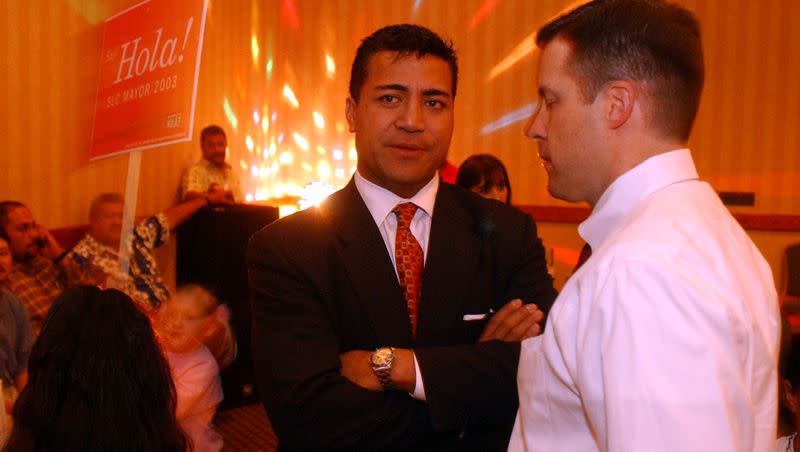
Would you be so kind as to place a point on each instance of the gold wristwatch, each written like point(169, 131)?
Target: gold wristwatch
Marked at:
point(381, 361)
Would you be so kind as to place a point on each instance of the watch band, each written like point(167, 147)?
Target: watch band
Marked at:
point(383, 370)
point(385, 377)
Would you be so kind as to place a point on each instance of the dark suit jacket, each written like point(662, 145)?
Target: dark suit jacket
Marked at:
point(323, 283)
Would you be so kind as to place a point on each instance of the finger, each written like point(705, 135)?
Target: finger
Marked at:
point(523, 328)
point(535, 311)
point(512, 321)
point(516, 325)
point(539, 315)
point(45, 233)
point(533, 331)
point(50, 240)
point(498, 318)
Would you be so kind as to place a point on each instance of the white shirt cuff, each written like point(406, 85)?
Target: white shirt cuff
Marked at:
point(419, 387)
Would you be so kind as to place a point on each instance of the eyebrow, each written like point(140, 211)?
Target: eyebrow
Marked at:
point(392, 87)
point(403, 88)
point(435, 92)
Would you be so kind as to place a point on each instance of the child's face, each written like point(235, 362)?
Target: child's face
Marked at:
point(182, 324)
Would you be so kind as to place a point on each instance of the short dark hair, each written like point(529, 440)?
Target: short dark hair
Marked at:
point(5, 209)
point(405, 39)
point(211, 130)
point(482, 169)
point(103, 198)
point(97, 380)
point(642, 40)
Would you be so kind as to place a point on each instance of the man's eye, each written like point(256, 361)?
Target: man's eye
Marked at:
point(389, 99)
point(435, 103)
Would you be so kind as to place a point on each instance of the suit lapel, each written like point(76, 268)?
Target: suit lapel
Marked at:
point(454, 250)
point(368, 266)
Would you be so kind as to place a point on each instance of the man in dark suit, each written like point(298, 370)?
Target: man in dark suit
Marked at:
point(382, 319)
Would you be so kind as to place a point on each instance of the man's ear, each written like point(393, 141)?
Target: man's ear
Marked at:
point(621, 96)
point(350, 113)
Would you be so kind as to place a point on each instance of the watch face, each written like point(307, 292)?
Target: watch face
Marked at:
point(381, 356)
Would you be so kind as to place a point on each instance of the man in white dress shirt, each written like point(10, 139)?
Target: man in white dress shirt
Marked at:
point(666, 339)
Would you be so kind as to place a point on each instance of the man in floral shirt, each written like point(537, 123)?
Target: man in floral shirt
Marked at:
point(97, 254)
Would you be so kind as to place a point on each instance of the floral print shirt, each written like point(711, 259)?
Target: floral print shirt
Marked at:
point(143, 283)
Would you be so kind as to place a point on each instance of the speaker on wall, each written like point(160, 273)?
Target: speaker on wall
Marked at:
point(211, 252)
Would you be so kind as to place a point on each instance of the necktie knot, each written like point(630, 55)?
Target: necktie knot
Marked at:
point(405, 213)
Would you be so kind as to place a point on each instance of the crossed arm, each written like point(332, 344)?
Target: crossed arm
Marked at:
point(296, 350)
point(318, 391)
point(514, 322)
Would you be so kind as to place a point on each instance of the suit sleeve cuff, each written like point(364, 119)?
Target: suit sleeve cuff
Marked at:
point(419, 387)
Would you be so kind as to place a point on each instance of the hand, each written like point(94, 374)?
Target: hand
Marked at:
point(228, 194)
point(216, 324)
point(513, 322)
point(229, 197)
point(219, 337)
point(48, 248)
point(216, 195)
point(356, 368)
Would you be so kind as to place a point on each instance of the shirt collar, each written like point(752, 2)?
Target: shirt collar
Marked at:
point(98, 247)
point(381, 201)
point(633, 186)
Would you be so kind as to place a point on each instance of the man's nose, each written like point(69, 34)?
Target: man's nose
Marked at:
point(534, 127)
point(411, 119)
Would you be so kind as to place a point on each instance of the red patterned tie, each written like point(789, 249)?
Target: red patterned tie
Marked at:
point(409, 259)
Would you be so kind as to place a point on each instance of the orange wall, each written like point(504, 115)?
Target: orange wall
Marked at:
point(746, 136)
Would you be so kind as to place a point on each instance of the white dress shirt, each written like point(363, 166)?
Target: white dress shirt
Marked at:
point(380, 203)
point(666, 339)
